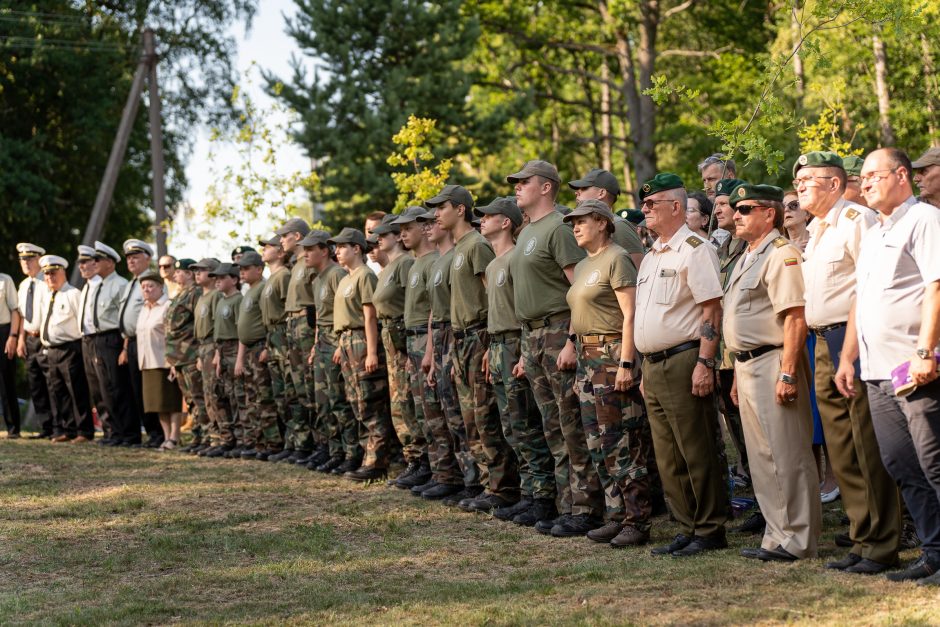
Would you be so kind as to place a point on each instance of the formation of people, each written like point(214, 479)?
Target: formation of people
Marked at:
point(561, 369)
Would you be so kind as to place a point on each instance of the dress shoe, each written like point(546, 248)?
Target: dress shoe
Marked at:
point(281, 456)
point(126, 444)
point(850, 559)
point(331, 463)
point(39, 436)
point(486, 503)
point(418, 490)
point(508, 512)
point(79, 439)
point(843, 540)
point(679, 542)
point(421, 474)
point(366, 473)
point(926, 565)
point(541, 509)
point(755, 523)
point(249, 453)
point(61, 438)
point(114, 443)
point(350, 464)
point(575, 525)
point(630, 536)
point(606, 533)
point(441, 490)
point(778, 554)
point(545, 526)
point(701, 544)
point(154, 442)
point(866, 566)
point(218, 451)
point(468, 492)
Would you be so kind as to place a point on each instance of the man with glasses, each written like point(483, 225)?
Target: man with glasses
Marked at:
point(927, 176)
point(897, 316)
point(88, 268)
point(853, 185)
point(713, 169)
point(869, 495)
point(167, 267)
point(28, 346)
point(678, 312)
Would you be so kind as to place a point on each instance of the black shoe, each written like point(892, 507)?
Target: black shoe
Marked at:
point(154, 442)
point(319, 456)
point(262, 456)
point(541, 509)
point(418, 490)
point(281, 456)
point(468, 492)
point(105, 442)
point(366, 473)
point(441, 491)
point(925, 566)
point(850, 559)
point(866, 566)
point(199, 449)
point(843, 540)
point(205, 451)
point(421, 474)
point(186, 449)
point(350, 464)
point(249, 453)
point(755, 523)
point(39, 436)
point(114, 443)
point(778, 554)
point(700, 544)
point(218, 451)
point(545, 526)
point(678, 543)
point(130, 444)
point(575, 525)
point(331, 463)
point(507, 513)
point(299, 457)
point(409, 470)
point(234, 453)
point(485, 504)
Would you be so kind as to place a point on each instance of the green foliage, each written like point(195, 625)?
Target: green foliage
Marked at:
point(416, 140)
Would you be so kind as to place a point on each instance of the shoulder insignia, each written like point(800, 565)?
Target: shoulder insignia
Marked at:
point(781, 241)
point(851, 214)
point(790, 262)
point(693, 241)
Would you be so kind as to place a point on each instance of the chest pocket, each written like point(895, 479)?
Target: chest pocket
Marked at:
point(666, 286)
point(833, 259)
point(893, 255)
point(748, 286)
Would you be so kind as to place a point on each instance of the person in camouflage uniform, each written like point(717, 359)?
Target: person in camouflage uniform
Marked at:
point(363, 364)
point(275, 353)
point(205, 351)
point(225, 334)
point(182, 350)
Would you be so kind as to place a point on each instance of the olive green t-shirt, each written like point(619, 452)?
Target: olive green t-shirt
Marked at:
point(299, 291)
point(226, 317)
point(205, 314)
point(417, 300)
point(389, 297)
point(272, 298)
point(468, 302)
point(439, 287)
point(626, 237)
point(250, 324)
point(502, 313)
point(594, 306)
point(543, 250)
point(324, 292)
point(354, 290)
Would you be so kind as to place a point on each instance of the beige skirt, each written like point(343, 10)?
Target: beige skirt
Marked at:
point(160, 394)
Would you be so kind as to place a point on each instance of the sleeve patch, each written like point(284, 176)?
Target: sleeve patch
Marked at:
point(790, 262)
point(781, 241)
point(693, 241)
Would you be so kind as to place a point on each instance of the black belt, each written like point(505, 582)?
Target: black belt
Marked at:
point(108, 332)
point(413, 331)
point(473, 328)
point(757, 352)
point(532, 325)
point(659, 356)
point(501, 338)
point(76, 344)
point(440, 325)
point(821, 331)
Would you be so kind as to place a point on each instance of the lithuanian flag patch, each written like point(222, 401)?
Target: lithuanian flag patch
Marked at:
point(790, 262)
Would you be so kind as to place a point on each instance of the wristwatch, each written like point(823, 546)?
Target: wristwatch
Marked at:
point(789, 379)
point(924, 353)
point(626, 364)
point(706, 360)
point(573, 337)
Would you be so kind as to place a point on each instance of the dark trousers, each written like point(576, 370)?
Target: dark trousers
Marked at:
point(908, 432)
point(36, 367)
point(150, 421)
point(11, 405)
point(115, 385)
point(89, 354)
point(68, 391)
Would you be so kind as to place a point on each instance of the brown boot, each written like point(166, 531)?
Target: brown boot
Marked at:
point(630, 536)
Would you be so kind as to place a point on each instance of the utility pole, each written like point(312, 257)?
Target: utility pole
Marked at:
point(156, 146)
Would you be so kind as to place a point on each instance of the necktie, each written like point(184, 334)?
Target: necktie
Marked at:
point(81, 323)
point(29, 300)
point(95, 312)
point(130, 294)
point(45, 325)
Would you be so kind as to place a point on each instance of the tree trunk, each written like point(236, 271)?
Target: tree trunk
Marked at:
point(605, 116)
point(796, 29)
point(881, 89)
point(930, 91)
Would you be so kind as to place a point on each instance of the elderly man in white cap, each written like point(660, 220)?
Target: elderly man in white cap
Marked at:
point(60, 334)
point(88, 268)
point(28, 346)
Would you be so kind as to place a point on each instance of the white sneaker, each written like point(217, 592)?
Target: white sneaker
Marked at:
point(829, 497)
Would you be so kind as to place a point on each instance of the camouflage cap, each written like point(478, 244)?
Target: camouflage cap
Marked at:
point(225, 269)
point(456, 194)
point(818, 159)
point(588, 207)
point(185, 264)
point(725, 187)
point(853, 165)
point(294, 225)
point(409, 215)
point(350, 235)
point(756, 192)
point(597, 178)
point(502, 206)
point(929, 158)
point(536, 167)
point(660, 183)
point(206, 263)
point(251, 258)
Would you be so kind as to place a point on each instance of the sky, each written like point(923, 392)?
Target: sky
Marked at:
point(269, 47)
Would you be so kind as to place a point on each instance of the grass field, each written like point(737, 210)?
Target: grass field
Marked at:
point(91, 536)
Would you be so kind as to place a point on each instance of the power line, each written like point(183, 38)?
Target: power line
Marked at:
point(31, 42)
point(51, 17)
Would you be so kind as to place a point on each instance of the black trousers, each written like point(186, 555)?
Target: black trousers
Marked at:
point(36, 368)
point(150, 421)
point(68, 391)
point(115, 385)
point(89, 354)
point(11, 405)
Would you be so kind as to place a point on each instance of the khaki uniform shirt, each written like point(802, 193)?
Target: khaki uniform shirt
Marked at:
point(829, 262)
point(63, 325)
point(324, 292)
point(593, 301)
point(272, 298)
point(501, 315)
point(250, 324)
point(544, 249)
point(108, 299)
point(39, 286)
point(151, 335)
point(389, 296)
point(674, 279)
point(205, 315)
point(299, 292)
point(225, 317)
point(763, 286)
point(8, 298)
point(729, 252)
point(417, 300)
point(353, 292)
point(468, 303)
point(86, 311)
point(439, 287)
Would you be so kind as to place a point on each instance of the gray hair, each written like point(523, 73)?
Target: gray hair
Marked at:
point(730, 167)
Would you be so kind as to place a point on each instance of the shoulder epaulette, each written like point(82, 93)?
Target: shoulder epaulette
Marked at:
point(693, 241)
point(851, 214)
point(781, 241)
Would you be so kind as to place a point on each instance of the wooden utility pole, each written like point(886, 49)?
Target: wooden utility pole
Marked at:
point(156, 146)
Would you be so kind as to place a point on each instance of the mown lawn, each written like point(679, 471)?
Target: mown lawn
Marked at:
point(91, 536)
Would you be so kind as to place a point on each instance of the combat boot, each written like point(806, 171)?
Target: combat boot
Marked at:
point(281, 456)
point(249, 453)
point(366, 473)
point(630, 536)
point(350, 464)
point(427, 485)
point(409, 470)
point(440, 491)
point(320, 456)
point(606, 533)
point(485, 503)
point(542, 509)
point(422, 474)
point(468, 492)
point(234, 453)
point(507, 513)
point(297, 456)
point(331, 463)
point(575, 525)
point(218, 451)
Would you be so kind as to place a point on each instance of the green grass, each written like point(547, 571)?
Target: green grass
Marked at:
point(91, 536)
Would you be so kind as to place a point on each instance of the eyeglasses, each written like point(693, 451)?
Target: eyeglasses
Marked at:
point(745, 210)
point(805, 180)
point(648, 204)
point(166, 266)
point(793, 205)
point(874, 177)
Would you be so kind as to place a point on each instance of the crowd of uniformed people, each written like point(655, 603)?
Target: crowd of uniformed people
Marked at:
point(564, 369)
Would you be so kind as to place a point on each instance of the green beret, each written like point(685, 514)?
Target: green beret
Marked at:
point(185, 264)
point(818, 159)
point(756, 192)
point(724, 187)
point(632, 215)
point(660, 183)
point(853, 165)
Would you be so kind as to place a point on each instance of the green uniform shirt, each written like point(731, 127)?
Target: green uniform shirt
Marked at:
point(389, 297)
point(626, 237)
point(299, 291)
point(594, 306)
point(354, 291)
point(439, 287)
point(205, 315)
point(324, 292)
point(273, 296)
point(250, 323)
point(502, 314)
point(544, 249)
point(417, 299)
point(181, 327)
point(468, 302)
point(226, 317)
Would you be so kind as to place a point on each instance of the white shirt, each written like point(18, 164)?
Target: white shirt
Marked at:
point(63, 316)
point(8, 298)
point(898, 260)
point(131, 302)
point(39, 287)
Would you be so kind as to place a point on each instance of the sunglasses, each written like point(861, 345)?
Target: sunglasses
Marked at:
point(793, 205)
point(166, 266)
point(745, 210)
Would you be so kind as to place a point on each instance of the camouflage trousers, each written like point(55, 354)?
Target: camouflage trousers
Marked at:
point(618, 434)
point(404, 411)
point(368, 393)
point(298, 432)
point(231, 428)
point(478, 407)
point(278, 363)
point(333, 407)
point(259, 412)
point(579, 489)
point(522, 422)
point(216, 404)
point(441, 448)
point(190, 381)
point(442, 340)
